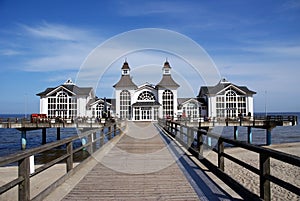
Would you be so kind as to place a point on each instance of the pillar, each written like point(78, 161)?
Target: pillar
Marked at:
point(249, 134)
point(268, 136)
point(58, 133)
point(23, 139)
point(44, 135)
point(235, 132)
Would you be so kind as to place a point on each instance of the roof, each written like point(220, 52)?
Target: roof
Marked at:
point(167, 65)
point(221, 86)
point(71, 88)
point(148, 103)
point(183, 100)
point(167, 81)
point(125, 81)
point(125, 66)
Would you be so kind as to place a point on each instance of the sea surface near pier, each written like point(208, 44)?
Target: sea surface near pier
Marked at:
point(10, 138)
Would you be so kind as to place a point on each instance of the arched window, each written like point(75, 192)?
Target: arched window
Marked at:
point(62, 104)
point(99, 109)
point(146, 96)
point(231, 99)
point(191, 110)
point(168, 103)
point(125, 105)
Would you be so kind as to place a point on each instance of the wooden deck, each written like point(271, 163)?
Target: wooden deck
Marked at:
point(142, 167)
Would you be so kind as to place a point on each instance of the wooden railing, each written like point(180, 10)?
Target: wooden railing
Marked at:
point(92, 143)
point(193, 140)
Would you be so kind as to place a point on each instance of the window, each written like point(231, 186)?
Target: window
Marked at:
point(99, 110)
point(191, 110)
point(231, 106)
point(168, 102)
point(125, 105)
point(146, 96)
point(62, 105)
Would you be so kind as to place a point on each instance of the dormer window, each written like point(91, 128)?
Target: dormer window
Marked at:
point(167, 71)
point(125, 72)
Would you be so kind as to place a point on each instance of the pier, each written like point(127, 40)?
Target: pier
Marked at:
point(145, 160)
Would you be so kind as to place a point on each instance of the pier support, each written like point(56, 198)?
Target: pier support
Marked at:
point(44, 136)
point(269, 136)
point(58, 133)
point(23, 139)
point(235, 132)
point(249, 134)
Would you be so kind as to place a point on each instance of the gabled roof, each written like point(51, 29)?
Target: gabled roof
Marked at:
point(96, 101)
point(182, 101)
point(125, 81)
point(167, 81)
point(146, 86)
point(221, 87)
point(73, 89)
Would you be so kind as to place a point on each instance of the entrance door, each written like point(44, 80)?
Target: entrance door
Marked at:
point(146, 113)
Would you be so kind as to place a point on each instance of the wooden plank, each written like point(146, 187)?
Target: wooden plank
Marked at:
point(135, 151)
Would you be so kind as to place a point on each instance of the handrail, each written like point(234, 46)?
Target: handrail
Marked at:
point(22, 157)
point(187, 138)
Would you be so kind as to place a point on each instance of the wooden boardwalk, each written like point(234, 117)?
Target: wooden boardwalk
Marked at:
point(142, 167)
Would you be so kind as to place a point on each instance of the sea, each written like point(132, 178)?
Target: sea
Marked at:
point(10, 138)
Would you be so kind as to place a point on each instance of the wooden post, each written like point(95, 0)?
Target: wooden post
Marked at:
point(44, 135)
point(181, 133)
point(23, 139)
point(264, 164)
point(268, 136)
point(235, 132)
point(109, 132)
point(24, 186)
point(94, 145)
point(102, 137)
point(220, 155)
point(58, 133)
point(189, 137)
point(69, 160)
point(115, 129)
point(90, 141)
point(200, 143)
point(175, 132)
point(249, 134)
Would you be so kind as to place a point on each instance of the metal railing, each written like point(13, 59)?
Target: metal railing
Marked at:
point(193, 139)
point(23, 158)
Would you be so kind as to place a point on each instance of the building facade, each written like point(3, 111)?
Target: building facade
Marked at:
point(146, 102)
point(69, 101)
point(227, 100)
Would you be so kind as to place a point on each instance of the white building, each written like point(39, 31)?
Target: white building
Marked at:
point(69, 101)
point(227, 100)
point(191, 108)
point(146, 102)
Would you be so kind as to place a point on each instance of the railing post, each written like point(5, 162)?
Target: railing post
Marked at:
point(44, 136)
point(24, 186)
point(175, 133)
point(102, 134)
point(189, 137)
point(115, 129)
point(94, 145)
point(90, 141)
point(264, 166)
point(200, 143)
point(109, 132)
point(220, 155)
point(69, 160)
point(181, 133)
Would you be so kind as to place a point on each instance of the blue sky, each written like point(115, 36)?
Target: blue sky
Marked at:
point(252, 43)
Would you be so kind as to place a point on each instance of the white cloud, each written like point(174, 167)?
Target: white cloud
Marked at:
point(56, 47)
point(9, 52)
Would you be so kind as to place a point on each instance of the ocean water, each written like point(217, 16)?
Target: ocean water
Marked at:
point(10, 138)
